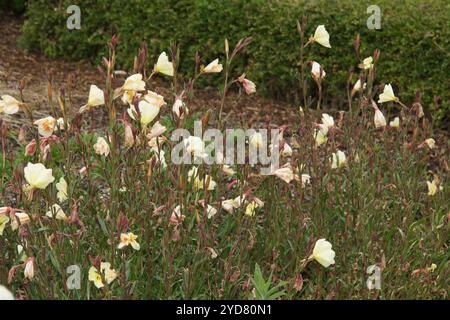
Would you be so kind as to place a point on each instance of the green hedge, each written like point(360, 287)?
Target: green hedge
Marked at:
point(414, 39)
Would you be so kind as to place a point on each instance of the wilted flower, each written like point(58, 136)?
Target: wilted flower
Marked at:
point(128, 239)
point(286, 173)
point(430, 142)
point(321, 36)
point(56, 212)
point(5, 294)
point(179, 109)
point(213, 67)
point(367, 63)
point(9, 105)
point(4, 219)
point(61, 186)
point(29, 269)
point(315, 71)
point(395, 123)
point(379, 119)
point(129, 137)
point(358, 87)
point(177, 217)
point(249, 86)
point(306, 179)
point(30, 148)
point(38, 176)
point(96, 276)
point(96, 98)
point(46, 126)
point(134, 83)
point(387, 95)
point(212, 252)
point(338, 159)
point(323, 253)
point(163, 65)
point(101, 147)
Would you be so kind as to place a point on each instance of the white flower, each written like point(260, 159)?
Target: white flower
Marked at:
point(56, 212)
point(327, 120)
point(46, 126)
point(228, 170)
point(101, 147)
point(338, 159)
point(196, 146)
point(430, 142)
point(323, 253)
point(358, 87)
point(285, 173)
point(256, 140)
point(379, 119)
point(287, 150)
point(367, 63)
point(9, 105)
point(213, 67)
point(129, 239)
point(96, 98)
point(387, 95)
point(163, 65)
point(321, 36)
point(5, 294)
point(315, 71)
point(231, 204)
point(154, 99)
point(38, 176)
point(210, 211)
point(134, 83)
point(61, 186)
point(306, 179)
point(127, 97)
point(199, 183)
point(29, 269)
point(395, 123)
point(148, 111)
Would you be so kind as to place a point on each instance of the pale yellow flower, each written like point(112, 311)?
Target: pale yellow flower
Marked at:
point(4, 220)
point(321, 36)
point(9, 105)
point(228, 170)
point(61, 186)
point(250, 210)
point(433, 187)
point(5, 294)
point(195, 146)
point(199, 183)
point(320, 137)
point(387, 95)
point(148, 112)
point(379, 119)
point(395, 123)
point(367, 63)
point(96, 98)
point(134, 83)
point(306, 179)
point(327, 120)
point(56, 212)
point(46, 126)
point(256, 140)
point(163, 65)
point(338, 159)
point(231, 204)
point(323, 253)
point(213, 67)
point(127, 97)
point(38, 176)
point(357, 87)
point(96, 276)
point(285, 173)
point(128, 239)
point(101, 147)
point(210, 211)
point(430, 142)
point(315, 71)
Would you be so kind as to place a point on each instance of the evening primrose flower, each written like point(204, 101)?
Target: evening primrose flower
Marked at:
point(395, 123)
point(134, 83)
point(9, 105)
point(177, 217)
point(249, 86)
point(210, 211)
point(256, 140)
point(213, 67)
point(286, 173)
point(61, 186)
point(5, 294)
point(96, 276)
point(367, 63)
point(148, 112)
point(38, 176)
point(4, 220)
point(20, 218)
point(379, 119)
point(46, 126)
point(228, 170)
point(357, 87)
point(179, 109)
point(198, 183)
point(96, 98)
point(163, 65)
point(128, 239)
point(321, 36)
point(338, 159)
point(315, 71)
point(430, 142)
point(56, 212)
point(387, 95)
point(195, 146)
point(323, 253)
point(320, 137)
point(29, 269)
point(231, 204)
point(250, 210)
point(327, 120)
point(433, 187)
point(101, 147)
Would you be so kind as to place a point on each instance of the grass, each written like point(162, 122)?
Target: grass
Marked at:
point(374, 210)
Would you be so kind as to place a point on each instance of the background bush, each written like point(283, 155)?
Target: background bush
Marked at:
point(414, 39)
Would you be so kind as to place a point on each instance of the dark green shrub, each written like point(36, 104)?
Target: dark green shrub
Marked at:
point(413, 40)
